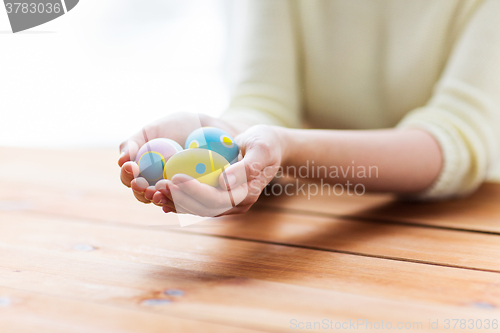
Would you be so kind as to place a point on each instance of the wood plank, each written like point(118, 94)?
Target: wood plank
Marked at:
point(230, 281)
point(378, 239)
point(65, 169)
point(77, 177)
point(444, 247)
point(478, 212)
point(94, 194)
point(370, 238)
point(74, 182)
point(38, 312)
point(256, 285)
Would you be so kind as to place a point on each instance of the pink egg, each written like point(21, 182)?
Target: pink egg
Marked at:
point(152, 157)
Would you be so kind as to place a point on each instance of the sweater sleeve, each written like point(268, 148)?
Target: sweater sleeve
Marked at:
point(264, 64)
point(463, 114)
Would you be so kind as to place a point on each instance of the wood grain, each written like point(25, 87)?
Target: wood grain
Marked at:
point(370, 237)
point(351, 235)
point(379, 239)
point(213, 260)
point(41, 312)
point(78, 253)
point(477, 212)
point(78, 176)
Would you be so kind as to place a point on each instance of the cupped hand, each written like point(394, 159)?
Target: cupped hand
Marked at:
point(262, 148)
point(175, 126)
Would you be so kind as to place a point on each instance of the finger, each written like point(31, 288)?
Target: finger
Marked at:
point(192, 187)
point(257, 168)
point(140, 197)
point(180, 208)
point(169, 210)
point(233, 176)
point(256, 157)
point(130, 147)
point(129, 172)
point(160, 200)
point(139, 186)
point(170, 204)
point(128, 151)
point(162, 187)
point(255, 188)
point(124, 157)
point(187, 204)
point(253, 156)
point(211, 197)
point(149, 192)
point(258, 161)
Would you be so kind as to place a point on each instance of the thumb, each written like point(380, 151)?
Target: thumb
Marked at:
point(128, 151)
point(130, 147)
point(257, 159)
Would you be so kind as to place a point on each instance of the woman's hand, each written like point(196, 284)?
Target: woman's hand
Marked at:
point(176, 127)
point(262, 147)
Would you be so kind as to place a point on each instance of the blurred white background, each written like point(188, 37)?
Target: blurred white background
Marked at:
point(99, 73)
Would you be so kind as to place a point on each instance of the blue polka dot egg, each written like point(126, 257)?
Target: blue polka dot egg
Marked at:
point(152, 157)
point(216, 140)
point(201, 164)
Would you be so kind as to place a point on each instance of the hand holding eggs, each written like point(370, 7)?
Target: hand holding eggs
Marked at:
point(209, 151)
point(216, 140)
point(153, 156)
point(201, 164)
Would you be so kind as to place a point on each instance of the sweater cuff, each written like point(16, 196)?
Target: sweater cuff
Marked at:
point(456, 160)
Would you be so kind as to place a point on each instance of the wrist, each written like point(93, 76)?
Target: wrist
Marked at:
point(285, 140)
point(232, 126)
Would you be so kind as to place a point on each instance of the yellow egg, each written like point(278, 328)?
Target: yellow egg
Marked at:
point(202, 164)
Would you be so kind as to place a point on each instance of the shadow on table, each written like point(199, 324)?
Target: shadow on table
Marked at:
point(269, 236)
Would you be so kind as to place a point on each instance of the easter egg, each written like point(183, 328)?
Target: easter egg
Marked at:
point(202, 164)
point(215, 140)
point(152, 157)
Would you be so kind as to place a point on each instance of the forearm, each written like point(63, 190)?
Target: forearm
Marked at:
point(392, 160)
point(243, 119)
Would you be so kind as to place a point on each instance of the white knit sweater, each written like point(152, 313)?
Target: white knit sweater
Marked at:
point(362, 64)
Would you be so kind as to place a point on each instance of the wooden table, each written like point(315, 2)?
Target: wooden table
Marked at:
point(79, 254)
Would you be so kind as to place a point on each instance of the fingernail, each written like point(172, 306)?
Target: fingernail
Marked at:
point(162, 202)
point(142, 183)
point(178, 181)
point(181, 178)
point(122, 154)
point(171, 185)
point(161, 185)
point(231, 180)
